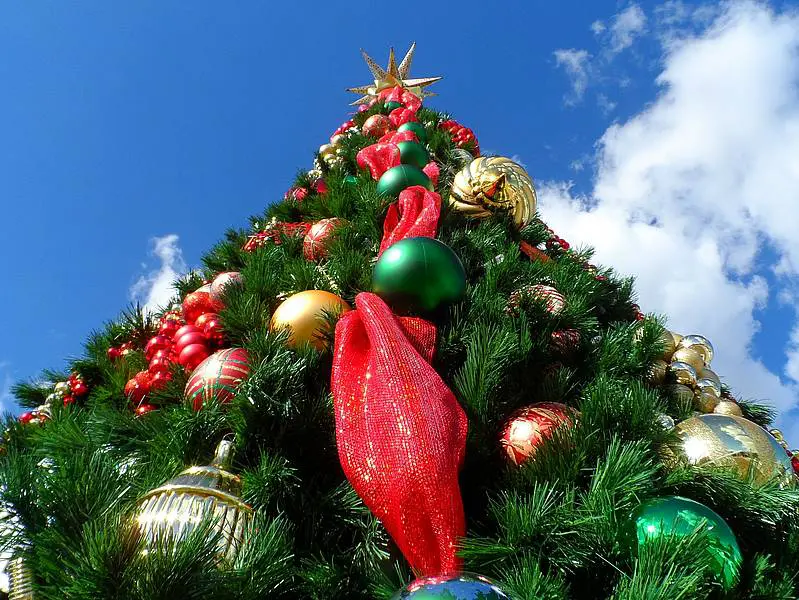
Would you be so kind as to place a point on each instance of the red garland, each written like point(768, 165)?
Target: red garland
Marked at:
point(401, 434)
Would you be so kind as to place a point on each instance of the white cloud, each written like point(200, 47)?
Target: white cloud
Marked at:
point(154, 289)
point(605, 104)
point(576, 64)
point(628, 25)
point(689, 190)
point(598, 27)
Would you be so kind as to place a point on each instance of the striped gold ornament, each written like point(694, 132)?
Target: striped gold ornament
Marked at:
point(21, 580)
point(174, 509)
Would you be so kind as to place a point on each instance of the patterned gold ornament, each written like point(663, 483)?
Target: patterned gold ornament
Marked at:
point(680, 372)
point(728, 407)
point(493, 184)
point(669, 345)
point(689, 356)
point(730, 441)
point(198, 493)
point(705, 401)
point(21, 580)
point(700, 344)
point(656, 374)
point(682, 394)
point(709, 386)
point(392, 76)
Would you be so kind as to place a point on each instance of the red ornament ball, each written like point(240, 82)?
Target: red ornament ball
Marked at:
point(138, 387)
point(168, 328)
point(314, 246)
point(168, 354)
point(69, 399)
point(158, 342)
point(184, 330)
point(194, 337)
point(197, 303)
point(529, 427)
point(376, 126)
point(160, 379)
point(159, 364)
point(203, 319)
point(192, 355)
point(113, 353)
point(565, 342)
point(221, 281)
point(217, 377)
point(214, 333)
point(79, 388)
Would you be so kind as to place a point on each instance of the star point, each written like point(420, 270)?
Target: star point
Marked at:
point(392, 76)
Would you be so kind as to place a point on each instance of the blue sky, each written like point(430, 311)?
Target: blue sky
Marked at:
point(134, 134)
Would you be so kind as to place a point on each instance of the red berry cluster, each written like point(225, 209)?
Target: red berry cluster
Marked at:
point(463, 137)
point(273, 232)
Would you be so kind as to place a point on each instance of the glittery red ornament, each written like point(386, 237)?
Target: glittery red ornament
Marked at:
point(197, 303)
point(192, 355)
point(203, 319)
point(168, 328)
point(194, 337)
point(221, 281)
point(217, 377)
point(143, 409)
point(314, 246)
point(113, 353)
point(528, 428)
point(320, 186)
point(158, 342)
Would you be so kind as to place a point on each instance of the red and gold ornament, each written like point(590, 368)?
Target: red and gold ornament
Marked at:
point(551, 298)
point(217, 377)
point(376, 126)
point(273, 233)
point(314, 246)
point(565, 342)
point(527, 429)
point(221, 281)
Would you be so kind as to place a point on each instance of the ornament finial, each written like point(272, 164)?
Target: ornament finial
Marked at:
point(392, 76)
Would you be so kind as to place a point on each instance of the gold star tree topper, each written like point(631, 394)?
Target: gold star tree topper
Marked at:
point(392, 76)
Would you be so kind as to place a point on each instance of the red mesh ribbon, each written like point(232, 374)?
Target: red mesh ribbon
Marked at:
point(378, 158)
point(395, 137)
point(403, 96)
point(400, 116)
point(400, 432)
point(414, 214)
point(432, 171)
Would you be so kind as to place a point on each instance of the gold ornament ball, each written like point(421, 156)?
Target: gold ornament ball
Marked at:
point(181, 504)
point(656, 374)
point(676, 338)
point(700, 344)
point(705, 402)
point(728, 407)
point(304, 315)
point(326, 150)
point(706, 373)
point(733, 442)
point(669, 345)
point(709, 386)
point(682, 394)
point(336, 139)
point(689, 356)
point(683, 373)
point(494, 184)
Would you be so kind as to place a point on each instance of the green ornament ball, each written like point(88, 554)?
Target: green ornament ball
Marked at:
point(417, 128)
point(396, 179)
point(675, 516)
point(419, 274)
point(413, 153)
point(392, 105)
point(350, 180)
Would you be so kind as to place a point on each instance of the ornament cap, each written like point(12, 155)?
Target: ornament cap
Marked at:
point(223, 458)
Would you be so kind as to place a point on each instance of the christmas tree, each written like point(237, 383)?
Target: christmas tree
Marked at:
point(398, 383)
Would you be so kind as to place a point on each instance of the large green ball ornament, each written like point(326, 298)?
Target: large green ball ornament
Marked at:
point(391, 105)
point(417, 128)
point(413, 153)
point(674, 516)
point(419, 274)
point(396, 179)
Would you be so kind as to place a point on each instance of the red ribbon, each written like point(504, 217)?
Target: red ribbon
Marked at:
point(414, 214)
point(401, 433)
point(403, 96)
point(400, 116)
point(378, 158)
